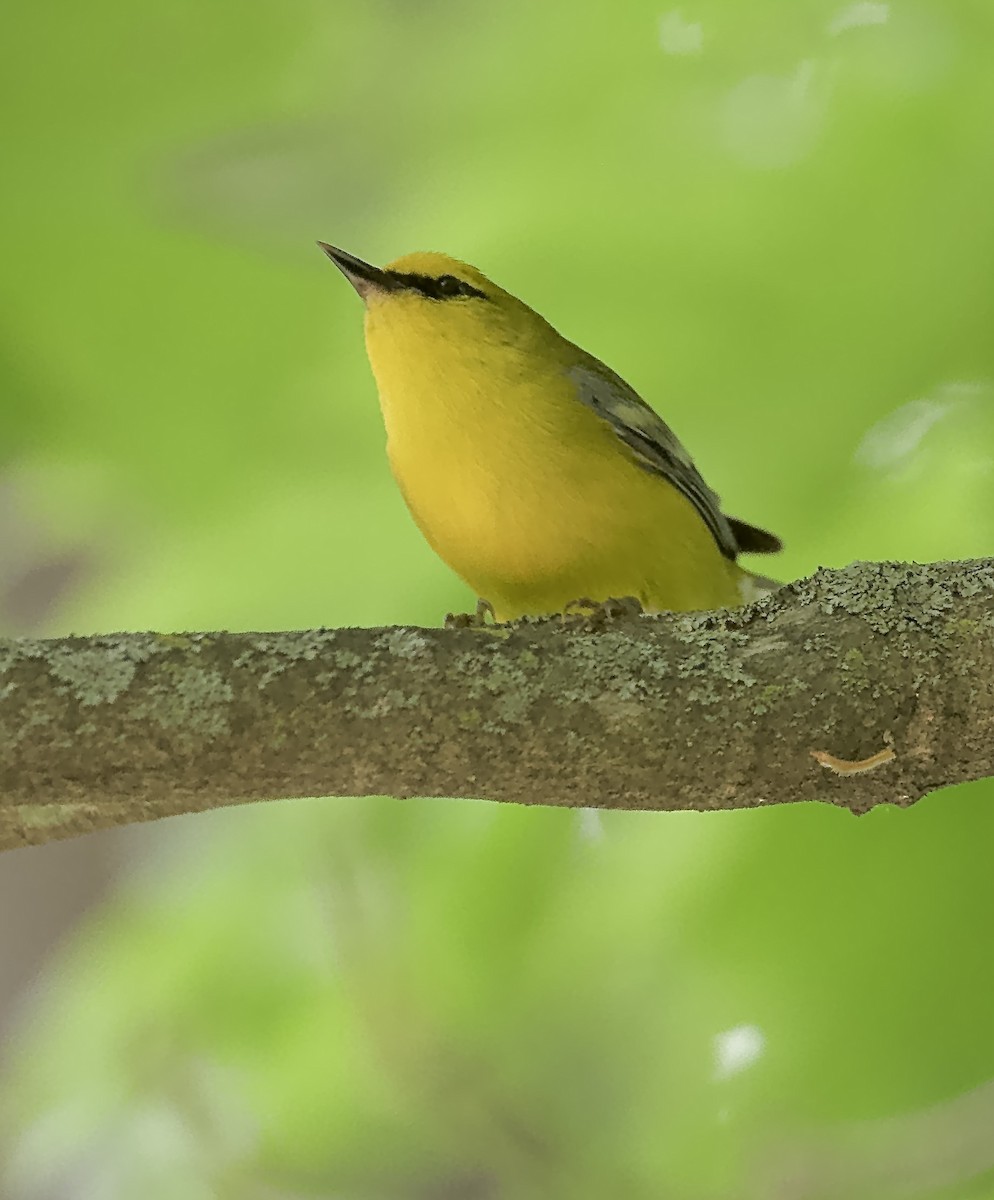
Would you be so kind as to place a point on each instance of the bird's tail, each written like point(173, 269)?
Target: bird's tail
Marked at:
point(753, 540)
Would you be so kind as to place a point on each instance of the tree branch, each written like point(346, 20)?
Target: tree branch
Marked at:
point(861, 686)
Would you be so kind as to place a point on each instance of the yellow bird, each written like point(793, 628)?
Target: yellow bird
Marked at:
point(532, 469)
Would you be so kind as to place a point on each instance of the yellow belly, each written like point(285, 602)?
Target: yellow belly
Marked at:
point(591, 525)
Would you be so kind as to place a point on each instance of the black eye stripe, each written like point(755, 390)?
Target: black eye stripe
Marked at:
point(437, 288)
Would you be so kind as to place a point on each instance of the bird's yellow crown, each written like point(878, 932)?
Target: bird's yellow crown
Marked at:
point(432, 265)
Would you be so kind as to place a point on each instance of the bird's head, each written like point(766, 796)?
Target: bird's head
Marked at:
point(434, 302)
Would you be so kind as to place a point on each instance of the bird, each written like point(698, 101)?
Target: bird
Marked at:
point(532, 469)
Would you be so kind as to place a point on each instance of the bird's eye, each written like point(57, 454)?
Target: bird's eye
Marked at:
point(448, 285)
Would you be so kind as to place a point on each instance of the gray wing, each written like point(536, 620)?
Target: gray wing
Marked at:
point(653, 444)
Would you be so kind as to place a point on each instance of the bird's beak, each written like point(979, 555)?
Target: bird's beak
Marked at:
point(364, 278)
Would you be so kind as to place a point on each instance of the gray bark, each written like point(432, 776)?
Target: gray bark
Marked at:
point(861, 686)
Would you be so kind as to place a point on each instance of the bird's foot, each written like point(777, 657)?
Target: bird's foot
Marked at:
point(598, 614)
point(473, 620)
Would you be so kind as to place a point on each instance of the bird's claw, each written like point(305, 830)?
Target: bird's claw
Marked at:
point(597, 614)
point(473, 620)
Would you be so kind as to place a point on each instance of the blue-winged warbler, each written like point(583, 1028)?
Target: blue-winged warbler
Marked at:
point(532, 469)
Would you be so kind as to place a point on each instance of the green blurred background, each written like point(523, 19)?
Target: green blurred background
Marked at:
point(775, 220)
